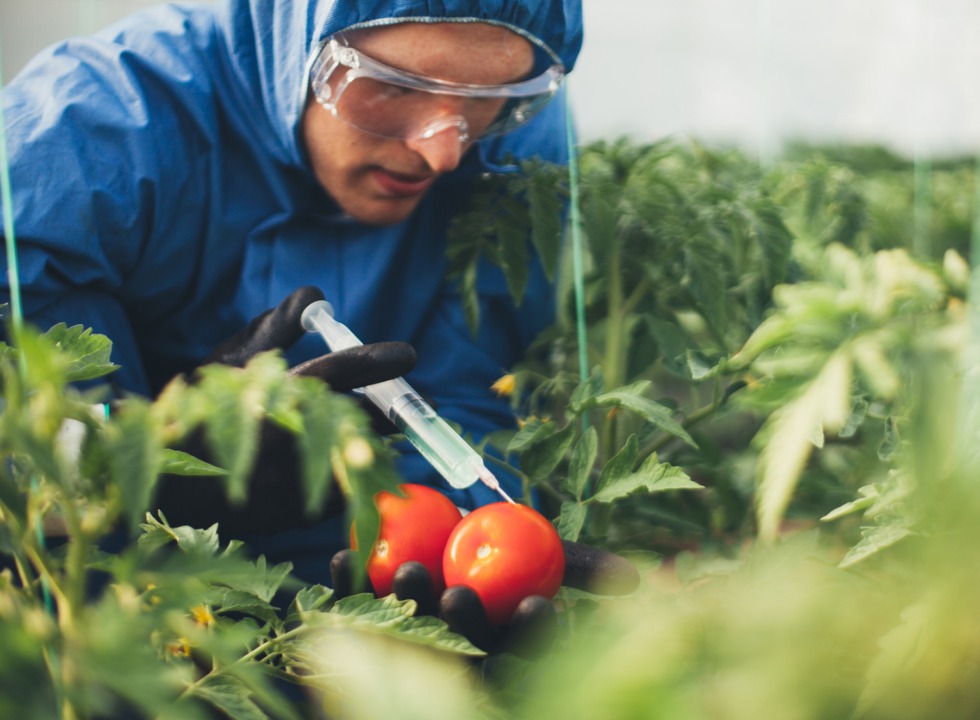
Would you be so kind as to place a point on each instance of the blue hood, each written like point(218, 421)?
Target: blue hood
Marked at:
point(269, 70)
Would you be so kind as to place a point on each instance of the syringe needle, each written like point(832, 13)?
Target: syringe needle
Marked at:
point(491, 482)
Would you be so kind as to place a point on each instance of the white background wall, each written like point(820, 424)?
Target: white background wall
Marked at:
point(905, 73)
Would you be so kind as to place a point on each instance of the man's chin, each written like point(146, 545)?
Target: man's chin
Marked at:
point(382, 212)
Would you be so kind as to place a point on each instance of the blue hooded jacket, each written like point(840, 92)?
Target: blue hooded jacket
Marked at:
point(162, 197)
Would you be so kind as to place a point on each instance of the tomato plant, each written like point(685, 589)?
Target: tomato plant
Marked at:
point(505, 552)
point(412, 528)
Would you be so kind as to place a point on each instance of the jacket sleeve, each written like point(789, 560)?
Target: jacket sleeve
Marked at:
point(97, 156)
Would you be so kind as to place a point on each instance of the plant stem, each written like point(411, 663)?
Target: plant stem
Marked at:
point(250, 655)
point(613, 361)
point(690, 421)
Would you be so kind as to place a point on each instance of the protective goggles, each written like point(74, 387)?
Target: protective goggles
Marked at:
point(393, 103)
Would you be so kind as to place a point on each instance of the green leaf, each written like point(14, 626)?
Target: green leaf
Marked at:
point(545, 207)
point(12, 495)
point(177, 462)
point(619, 465)
point(309, 599)
point(586, 392)
point(135, 455)
point(630, 398)
point(514, 255)
point(571, 520)
point(653, 476)
point(158, 533)
point(241, 602)
point(236, 401)
point(392, 616)
point(264, 581)
point(869, 495)
point(876, 539)
point(87, 353)
point(791, 433)
point(533, 432)
point(375, 611)
point(324, 414)
point(231, 696)
point(581, 463)
point(541, 459)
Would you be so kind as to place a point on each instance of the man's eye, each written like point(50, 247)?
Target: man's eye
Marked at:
point(394, 92)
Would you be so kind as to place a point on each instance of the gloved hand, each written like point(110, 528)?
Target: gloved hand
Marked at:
point(275, 499)
point(534, 624)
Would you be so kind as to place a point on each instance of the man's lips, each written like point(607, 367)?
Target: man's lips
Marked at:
point(402, 185)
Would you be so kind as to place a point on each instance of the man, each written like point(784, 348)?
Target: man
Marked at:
point(185, 170)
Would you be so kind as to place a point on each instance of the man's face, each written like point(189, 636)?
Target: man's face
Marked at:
point(378, 180)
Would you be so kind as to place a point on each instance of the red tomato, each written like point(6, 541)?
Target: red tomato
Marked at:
point(414, 527)
point(505, 552)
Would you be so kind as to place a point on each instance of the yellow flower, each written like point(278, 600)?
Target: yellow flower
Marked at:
point(179, 648)
point(504, 387)
point(202, 616)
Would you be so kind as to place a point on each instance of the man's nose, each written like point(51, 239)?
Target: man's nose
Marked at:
point(441, 146)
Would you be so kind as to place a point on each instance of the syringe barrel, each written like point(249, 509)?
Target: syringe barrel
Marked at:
point(432, 436)
point(318, 317)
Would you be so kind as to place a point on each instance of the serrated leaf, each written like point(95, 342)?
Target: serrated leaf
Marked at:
point(391, 616)
point(87, 353)
point(629, 398)
point(619, 465)
point(157, 533)
point(177, 462)
point(263, 582)
point(323, 414)
point(869, 495)
point(242, 602)
point(586, 391)
point(545, 209)
point(533, 432)
point(12, 495)
point(135, 454)
point(469, 297)
point(514, 256)
point(375, 611)
point(581, 463)
point(309, 599)
point(433, 632)
point(874, 540)
point(541, 459)
point(571, 520)
point(653, 476)
point(237, 399)
point(791, 432)
point(231, 696)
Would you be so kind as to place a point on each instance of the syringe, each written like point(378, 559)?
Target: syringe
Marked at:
point(432, 436)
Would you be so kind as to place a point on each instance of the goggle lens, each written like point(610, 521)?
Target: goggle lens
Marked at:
point(393, 103)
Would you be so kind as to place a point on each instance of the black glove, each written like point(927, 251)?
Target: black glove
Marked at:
point(534, 624)
point(275, 498)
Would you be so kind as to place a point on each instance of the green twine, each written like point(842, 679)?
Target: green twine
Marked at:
point(16, 330)
point(7, 204)
point(576, 232)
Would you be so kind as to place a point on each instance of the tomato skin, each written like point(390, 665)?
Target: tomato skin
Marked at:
point(505, 552)
point(413, 528)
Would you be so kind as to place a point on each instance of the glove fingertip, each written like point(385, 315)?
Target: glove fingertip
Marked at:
point(412, 581)
point(533, 627)
point(598, 571)
point(462, 611)
point(342, 574)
